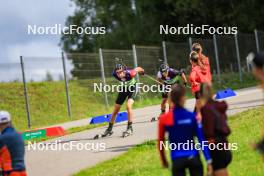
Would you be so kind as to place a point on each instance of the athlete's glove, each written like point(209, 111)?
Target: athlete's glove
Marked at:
point(185, 84)
point(183, 71)
point(142, 72)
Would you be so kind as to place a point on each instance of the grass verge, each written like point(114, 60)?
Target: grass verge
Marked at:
point(143, 160)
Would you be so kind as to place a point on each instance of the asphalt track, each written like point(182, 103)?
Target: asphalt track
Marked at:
point(64, 162)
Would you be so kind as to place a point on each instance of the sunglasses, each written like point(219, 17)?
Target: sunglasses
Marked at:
point(164, 72)
point(119, 72)
point(196, 49)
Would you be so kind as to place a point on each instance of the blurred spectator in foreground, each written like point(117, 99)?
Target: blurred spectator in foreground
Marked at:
point(182, 127)
point(12, 150)
point(256, 61)
point(216, 129)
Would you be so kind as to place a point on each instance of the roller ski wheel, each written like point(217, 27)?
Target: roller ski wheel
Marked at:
point(127, 133)
point(96, 137)
point(108, 133)
point(153, 119)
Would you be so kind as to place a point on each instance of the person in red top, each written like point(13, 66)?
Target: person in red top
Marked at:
point(197, 77)
point(203, 62)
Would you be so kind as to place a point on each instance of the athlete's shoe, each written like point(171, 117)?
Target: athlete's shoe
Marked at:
point(128, 132)
point(108, 132)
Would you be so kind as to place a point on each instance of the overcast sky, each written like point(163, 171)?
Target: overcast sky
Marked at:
point(15, 16)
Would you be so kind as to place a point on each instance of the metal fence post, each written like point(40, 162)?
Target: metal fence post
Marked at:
point(66, 85)
point(25, 91)
point(257, 39)
point(136, 65)
point(190, 43)
point(103, 76)
point(238, 58)
point(164, 52)
point(135, 58)
point(231, 68)
point(217, 58)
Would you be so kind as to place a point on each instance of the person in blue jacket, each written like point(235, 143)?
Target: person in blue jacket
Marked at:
point(12, 150)
point(182, 127)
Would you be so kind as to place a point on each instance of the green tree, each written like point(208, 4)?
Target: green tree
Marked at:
point(138, 21)
point(49, 77)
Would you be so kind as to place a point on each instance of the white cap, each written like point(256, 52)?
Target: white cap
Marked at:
point(4, 117)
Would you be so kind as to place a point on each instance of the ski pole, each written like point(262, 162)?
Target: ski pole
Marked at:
point(153, 79)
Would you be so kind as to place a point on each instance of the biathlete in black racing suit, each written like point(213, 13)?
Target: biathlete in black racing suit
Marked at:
point(167, 77)
point(129, 92)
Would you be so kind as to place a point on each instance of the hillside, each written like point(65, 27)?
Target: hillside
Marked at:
point(48, 99)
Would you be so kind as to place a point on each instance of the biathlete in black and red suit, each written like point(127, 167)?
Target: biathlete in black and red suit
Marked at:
point(169, 76)
point(129, 92)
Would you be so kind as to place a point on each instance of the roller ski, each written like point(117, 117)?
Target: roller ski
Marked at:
point(153, 119)
point(128, 132)
point(108, 132)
